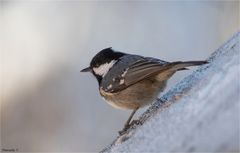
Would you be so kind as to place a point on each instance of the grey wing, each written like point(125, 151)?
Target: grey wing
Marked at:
point(130, 70)
point(144, 69)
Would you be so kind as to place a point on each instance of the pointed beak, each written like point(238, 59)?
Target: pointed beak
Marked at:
point(88, 69)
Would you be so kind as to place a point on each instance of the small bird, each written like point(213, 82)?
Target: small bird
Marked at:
point(128, 81)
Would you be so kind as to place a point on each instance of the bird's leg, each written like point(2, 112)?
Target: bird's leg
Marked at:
point(127, 124)
point(130, 118)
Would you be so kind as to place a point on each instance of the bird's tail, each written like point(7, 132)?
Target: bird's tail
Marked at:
point(176, 66)
point(167, 70)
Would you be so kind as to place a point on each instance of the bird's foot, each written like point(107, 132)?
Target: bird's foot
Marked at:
point(127, 126)
point(136, 122)
point(124, 130)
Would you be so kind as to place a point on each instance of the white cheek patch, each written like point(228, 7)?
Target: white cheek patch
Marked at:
point(104, 68)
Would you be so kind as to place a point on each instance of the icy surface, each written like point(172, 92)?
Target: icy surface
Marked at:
point(201, 113)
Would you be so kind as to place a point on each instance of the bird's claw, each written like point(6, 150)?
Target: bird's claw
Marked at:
point(135, 122)
point(126, 127)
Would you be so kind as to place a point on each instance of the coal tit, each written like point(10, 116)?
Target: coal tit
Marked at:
point(128, 81)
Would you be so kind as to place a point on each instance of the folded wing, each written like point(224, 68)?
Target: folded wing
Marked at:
point(145, 68)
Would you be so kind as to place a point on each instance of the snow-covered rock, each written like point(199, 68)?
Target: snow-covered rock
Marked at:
point(199, 114)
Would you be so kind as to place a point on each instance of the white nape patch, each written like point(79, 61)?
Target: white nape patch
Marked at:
point(104, 68)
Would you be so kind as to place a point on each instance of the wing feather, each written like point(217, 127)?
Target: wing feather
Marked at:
point(140, 69)
point(137, 74)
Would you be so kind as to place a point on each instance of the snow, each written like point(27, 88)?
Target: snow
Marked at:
point(199, 114)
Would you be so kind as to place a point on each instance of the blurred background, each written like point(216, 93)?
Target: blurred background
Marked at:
point(47, 104)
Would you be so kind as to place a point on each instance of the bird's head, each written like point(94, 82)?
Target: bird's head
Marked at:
point(102, 62)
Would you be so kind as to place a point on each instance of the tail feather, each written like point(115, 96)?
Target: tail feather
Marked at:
point(183, 69)
point(182, 65)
